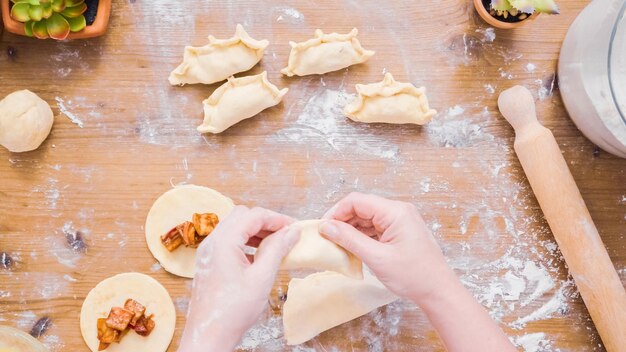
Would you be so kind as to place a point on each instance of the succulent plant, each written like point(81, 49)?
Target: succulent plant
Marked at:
point(50, 18)
point(523, 8)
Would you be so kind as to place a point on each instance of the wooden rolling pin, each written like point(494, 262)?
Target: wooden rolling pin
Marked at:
point(568, 217)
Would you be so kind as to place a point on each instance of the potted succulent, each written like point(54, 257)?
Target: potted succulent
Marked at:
point(507, 14)
point(56, 19)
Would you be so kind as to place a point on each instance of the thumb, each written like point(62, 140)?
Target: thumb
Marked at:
point(274, 248)
point(350, 238)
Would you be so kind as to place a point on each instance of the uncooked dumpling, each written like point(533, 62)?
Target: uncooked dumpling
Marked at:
point(113, 292)
point(25, 121)
point(324, 300)
point(390, 102)
point(239, 99)
point(219, 59)
point(13, 340)
point(312, 251)
point(173, 208)
point(325, 53)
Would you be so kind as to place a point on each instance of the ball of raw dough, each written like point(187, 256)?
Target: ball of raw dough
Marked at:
point(25, 121)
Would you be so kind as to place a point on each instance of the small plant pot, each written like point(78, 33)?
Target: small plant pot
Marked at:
point(96, 29)
point(483, 11)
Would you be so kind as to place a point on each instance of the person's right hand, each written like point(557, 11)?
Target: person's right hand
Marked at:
point(391, 238)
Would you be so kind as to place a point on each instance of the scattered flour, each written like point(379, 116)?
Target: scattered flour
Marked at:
point(456, 130)
point(530, 67)
point(155, 267)
point(288, 15)
point(534, 342)
point(269, 331)
point(489, 89)
point(53, 343)
point(63, 108)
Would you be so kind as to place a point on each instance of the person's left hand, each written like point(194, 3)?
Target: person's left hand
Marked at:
point(229, 290)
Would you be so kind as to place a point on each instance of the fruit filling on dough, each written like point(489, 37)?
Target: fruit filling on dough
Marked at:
point(190, 233)
point(120, 320)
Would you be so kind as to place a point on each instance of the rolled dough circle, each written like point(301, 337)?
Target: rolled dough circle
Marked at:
point(173, 208)
point(13, 340)
point(113, 292)
point(25, 121)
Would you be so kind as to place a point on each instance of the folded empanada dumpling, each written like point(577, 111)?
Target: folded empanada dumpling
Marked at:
point(219, 59)
point(239, 99)
point(325, 53)
point(390, 102)
point(327, 299)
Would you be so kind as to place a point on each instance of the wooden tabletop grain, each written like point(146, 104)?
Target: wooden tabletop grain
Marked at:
point(133, 136)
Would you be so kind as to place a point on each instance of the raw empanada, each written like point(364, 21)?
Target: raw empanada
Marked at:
point(390, 102)
point(325, 53)
point(312, 251)
point(327, 299)
point(219, 59)
point(239, 99)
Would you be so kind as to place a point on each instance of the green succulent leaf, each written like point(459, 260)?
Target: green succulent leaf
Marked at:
point(70, 3)
point(58, 5)
point(77, 24)
point(546, 6)
point(35, 13)
point(500, 5)
point(58, 27)
point(34, 2)
point(47, 10)
point(525, 6)
point(74, 11)
point(20, 12)
point(28, 28)
point(39, 29)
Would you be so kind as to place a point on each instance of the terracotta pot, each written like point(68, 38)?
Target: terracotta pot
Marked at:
point(494, 22)
point(97, 28)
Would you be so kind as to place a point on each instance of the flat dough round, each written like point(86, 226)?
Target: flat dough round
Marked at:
point(13, 340)
point(113, 292)
point(173, 208)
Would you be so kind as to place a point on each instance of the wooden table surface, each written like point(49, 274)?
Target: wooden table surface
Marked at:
point(137, 138)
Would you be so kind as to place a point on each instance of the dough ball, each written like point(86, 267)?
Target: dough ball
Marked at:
point(25, 121)
point(14, 340)
point(173, 208)
point(113, 292)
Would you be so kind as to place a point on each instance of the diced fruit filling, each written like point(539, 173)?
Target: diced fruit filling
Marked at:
point(190, 233)
point(120, 320)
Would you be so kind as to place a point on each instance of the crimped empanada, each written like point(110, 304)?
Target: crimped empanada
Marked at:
point(325, 53)
point(219, 59)
point(390, 102)
point(239, 99)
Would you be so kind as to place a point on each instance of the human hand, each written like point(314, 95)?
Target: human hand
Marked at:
point(392, 239)
point(229, 290)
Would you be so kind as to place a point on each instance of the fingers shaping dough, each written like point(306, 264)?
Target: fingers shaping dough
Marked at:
point(113, 292)
point(327, 299)
point(173, 208)
point(312, 251)
point(325, 53)
point(237, 100)
point(13, 340)
point(219, 59)
point(390, 102)
point(25, 121)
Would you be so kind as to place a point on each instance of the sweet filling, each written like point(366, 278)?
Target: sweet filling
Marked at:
point(190, 233)
point(121, 320)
